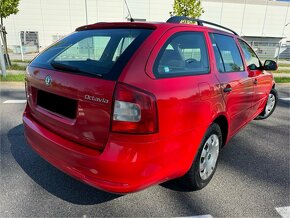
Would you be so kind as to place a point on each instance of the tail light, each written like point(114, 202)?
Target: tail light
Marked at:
point(135, 111)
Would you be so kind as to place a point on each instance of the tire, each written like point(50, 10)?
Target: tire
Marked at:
point(196, 178)
point(270, 106)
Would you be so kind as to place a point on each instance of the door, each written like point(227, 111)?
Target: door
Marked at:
point(260, 80)
point(184, 84)
point(236, 85)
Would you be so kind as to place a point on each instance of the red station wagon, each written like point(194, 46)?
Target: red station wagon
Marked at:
point(123, 106)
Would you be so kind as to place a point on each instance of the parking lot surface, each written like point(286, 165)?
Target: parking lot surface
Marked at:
point(252, 178)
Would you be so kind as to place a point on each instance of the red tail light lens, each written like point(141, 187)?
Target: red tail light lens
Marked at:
point(134, 111)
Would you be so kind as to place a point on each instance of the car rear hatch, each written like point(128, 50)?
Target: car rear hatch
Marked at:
point(70, 86)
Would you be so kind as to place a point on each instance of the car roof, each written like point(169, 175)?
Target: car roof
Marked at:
point(105, 25)
point(147, 25)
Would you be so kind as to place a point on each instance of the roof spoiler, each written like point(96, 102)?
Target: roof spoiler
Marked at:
point(178, 19)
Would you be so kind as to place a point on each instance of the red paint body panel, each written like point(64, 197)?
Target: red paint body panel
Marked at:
point(127, 164)
point(104, 25)
point(92, 123)
point(86, 149)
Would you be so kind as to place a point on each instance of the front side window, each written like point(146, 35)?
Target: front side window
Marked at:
point(227, 55)
point(252, 60)
point(184, 53)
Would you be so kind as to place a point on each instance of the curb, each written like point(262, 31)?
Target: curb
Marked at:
point(287, 75)
point(8, 83)
point(283, 84)
point(15, 71)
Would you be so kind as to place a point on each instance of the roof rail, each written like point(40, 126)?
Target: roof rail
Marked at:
point(178, 19)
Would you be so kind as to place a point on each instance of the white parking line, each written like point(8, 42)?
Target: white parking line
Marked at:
point(200, 216)
point(284, 211)
point(14, 102)
point(285, 99)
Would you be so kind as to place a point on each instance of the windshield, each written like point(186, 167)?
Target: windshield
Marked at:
point(101, 53)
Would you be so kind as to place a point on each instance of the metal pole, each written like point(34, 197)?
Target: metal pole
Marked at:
point(265, 17)
point(279, 49)
point(2, 38)
point(278, 55)
point(2, 59)
point(21, 48)
point(221, 15)
point(2, 62)
point(86, 11)
point(245, 1)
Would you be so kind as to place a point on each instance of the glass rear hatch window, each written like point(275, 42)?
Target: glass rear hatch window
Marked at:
point(96, 53)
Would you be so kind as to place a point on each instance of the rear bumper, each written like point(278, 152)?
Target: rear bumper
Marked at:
point(122, 167)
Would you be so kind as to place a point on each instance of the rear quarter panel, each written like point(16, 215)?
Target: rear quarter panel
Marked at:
point(187, 105)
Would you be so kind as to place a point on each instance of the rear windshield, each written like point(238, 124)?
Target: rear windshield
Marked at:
point(97, 53)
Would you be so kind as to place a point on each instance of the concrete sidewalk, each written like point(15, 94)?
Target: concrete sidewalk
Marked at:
point(11, 85)
point(281, 75)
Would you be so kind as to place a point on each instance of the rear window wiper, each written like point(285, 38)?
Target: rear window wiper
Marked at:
point(61, 66)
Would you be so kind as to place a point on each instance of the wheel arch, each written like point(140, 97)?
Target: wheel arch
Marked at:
point(222, 121)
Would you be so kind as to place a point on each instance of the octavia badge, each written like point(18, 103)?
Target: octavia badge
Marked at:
point(48, 80)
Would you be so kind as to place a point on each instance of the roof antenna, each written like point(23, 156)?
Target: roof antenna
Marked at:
point(131, 19)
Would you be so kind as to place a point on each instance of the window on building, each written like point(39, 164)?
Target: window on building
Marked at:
point(228, 57)
point(183, 54)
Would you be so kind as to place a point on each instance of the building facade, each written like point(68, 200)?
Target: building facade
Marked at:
point(41, 22)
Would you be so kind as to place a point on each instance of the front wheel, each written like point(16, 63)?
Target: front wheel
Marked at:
point(205, 163)
point(270, 106)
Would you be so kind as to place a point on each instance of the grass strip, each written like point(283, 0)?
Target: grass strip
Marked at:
point(12, 78)
point(283, 65)
point(17, 67)
point(19, 60)
point(281, 71)
point(282, 79)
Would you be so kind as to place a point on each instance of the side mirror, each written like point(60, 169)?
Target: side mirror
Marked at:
point(270, 65)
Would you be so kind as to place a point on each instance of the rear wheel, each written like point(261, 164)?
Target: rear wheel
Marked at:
point(205, 163)
point(270, 106)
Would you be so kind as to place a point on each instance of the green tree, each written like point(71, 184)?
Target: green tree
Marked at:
point(188, 8)
point(7, 7)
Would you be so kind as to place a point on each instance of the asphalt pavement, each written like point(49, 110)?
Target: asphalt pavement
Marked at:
point(252, 179)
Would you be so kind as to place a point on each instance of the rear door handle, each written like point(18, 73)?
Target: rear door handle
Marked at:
point(255, 81)
point(228, 89)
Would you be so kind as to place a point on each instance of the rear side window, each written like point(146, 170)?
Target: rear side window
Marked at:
point(184, 53)
point(102, 52)
point(123, 44)
point(252, 60)
point(228, 57)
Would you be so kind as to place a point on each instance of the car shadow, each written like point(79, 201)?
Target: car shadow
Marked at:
point(175, 185)
point(50, 178)
point(283, 103)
